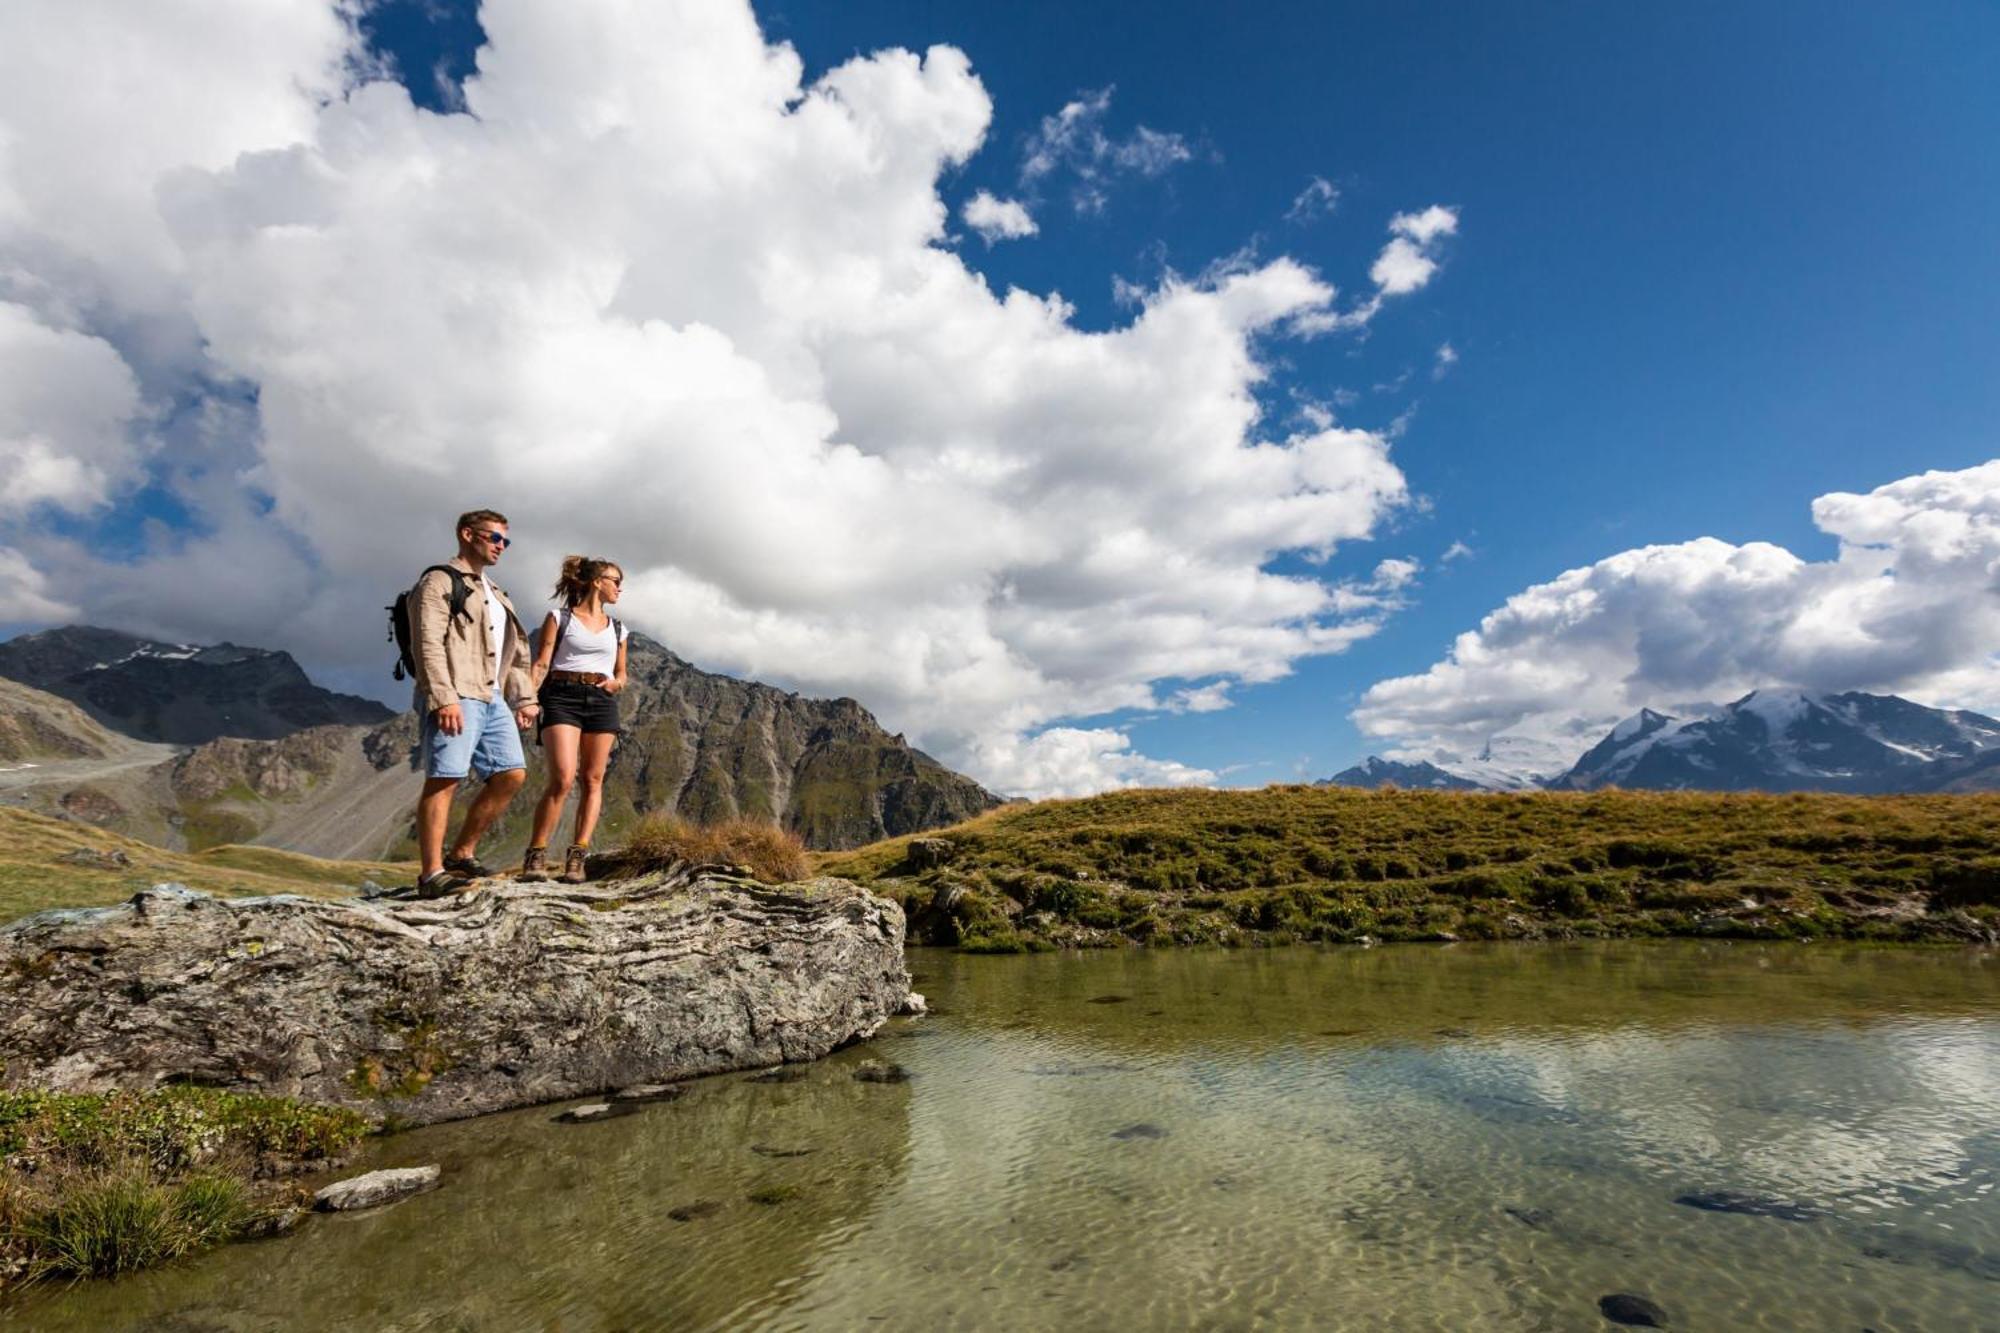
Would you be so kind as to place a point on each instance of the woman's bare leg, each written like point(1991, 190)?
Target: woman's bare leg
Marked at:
point(597, 747)
point(559, 743)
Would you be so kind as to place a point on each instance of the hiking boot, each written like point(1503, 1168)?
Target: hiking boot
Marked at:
point(535, 866)
point(467, 867)
point(573, 865)
point(439, 883)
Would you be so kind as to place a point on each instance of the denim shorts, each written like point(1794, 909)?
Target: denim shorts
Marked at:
point(489, 742)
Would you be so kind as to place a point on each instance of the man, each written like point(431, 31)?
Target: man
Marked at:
point(476, 692)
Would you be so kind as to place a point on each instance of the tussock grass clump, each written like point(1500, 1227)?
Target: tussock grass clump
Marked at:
point(93, 1184)
point(1329, 863)
point(120, 1219)
point(772, 854)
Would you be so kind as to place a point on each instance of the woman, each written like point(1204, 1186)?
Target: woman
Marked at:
point(579, 668)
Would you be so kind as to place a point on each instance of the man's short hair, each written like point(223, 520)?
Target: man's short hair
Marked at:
point(474, 517)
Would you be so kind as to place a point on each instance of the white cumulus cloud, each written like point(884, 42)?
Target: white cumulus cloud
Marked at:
point(1909, 605)
point(657, 298)
point(997, 219)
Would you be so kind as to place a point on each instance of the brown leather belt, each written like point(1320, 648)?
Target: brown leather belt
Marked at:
point(575, 677)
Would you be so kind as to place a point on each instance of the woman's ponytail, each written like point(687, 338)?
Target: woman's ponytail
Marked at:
point(578, 573)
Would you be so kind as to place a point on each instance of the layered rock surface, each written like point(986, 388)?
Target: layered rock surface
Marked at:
point(512, 995)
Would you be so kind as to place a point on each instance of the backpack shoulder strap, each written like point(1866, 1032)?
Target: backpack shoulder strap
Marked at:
point(461, 586)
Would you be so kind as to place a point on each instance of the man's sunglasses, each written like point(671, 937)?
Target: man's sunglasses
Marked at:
point(499, 539)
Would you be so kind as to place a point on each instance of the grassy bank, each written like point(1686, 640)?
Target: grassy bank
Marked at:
point(97, 1184)
point(46, 862)
point(1316, 863)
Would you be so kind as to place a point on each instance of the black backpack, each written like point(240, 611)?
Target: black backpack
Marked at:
point(399, 615)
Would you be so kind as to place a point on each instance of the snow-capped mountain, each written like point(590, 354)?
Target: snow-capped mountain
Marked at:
point(1769, 740)
point(1790, 740)
point(182, 694)
point(1376, 771)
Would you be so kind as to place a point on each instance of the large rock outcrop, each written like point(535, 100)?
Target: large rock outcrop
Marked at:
point(516, 994)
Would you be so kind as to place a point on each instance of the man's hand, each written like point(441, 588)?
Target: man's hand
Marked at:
point(524, 716)
point(451, 719)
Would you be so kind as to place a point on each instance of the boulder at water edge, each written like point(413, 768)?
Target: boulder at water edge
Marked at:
point(511, 995)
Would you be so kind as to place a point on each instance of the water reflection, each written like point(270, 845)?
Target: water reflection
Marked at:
point(687, 1214)
point(1487, 1137)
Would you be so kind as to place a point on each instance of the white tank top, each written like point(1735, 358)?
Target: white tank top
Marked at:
point(585, 649)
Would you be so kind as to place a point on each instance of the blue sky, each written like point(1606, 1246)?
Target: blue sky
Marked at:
point(1713, 261)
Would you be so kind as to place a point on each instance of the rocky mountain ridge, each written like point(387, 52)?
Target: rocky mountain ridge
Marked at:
point(1777, 740)
point(182, 694)
point(704, 745)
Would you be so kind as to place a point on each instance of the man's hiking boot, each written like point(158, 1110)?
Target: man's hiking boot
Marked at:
point(470, 867)
point(439, 883)
point(573, 865)
point(535, 866)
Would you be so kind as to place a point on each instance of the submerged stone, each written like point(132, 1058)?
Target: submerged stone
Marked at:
point(595, 1111)
point(692, 1212)
point(650, 1092)
point(772, 1195)
point(766, 1150)
point(1636, 1311)
point(880, 1071)
point(1108, 999)
point(1142, 1130)
point(1749, 1205)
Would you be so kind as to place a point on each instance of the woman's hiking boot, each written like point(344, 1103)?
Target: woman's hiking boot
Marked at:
point(573, 864)
point(535, 866)
point(468, 867)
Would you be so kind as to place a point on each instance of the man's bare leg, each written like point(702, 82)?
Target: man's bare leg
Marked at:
point(486, 807)
point(433, 813)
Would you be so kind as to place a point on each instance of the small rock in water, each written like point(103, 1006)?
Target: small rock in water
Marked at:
point(1531, 1217)
point(650, 1092)
point(766, 1150)
point(690, 1212)
point(1109, 999)
point(584, 1115)
point(782, 1074)
point(913, 1006)
point(879, 1071)
point(1624, 1308)
point(376, 1188)
point(1142, 1130)
point(774, 1194)
point(1452, 1032)
point(1750, 1205)
point(280, 1222)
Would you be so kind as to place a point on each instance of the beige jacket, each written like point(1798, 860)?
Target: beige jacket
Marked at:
point(454, 655)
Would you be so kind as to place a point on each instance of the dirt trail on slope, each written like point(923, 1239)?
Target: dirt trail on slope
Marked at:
point(26, 775)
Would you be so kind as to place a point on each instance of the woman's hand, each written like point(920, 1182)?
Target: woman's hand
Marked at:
point(611, 684)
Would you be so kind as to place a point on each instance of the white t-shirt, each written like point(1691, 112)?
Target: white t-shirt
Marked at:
point(496, 621)
point(585, 649)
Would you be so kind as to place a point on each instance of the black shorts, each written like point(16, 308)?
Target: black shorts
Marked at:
point(568, 703)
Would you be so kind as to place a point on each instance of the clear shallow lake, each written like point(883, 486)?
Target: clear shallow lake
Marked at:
point(1485, 1137)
